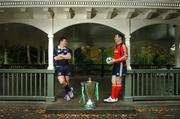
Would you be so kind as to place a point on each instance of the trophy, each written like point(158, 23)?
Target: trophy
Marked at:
point(91, 89)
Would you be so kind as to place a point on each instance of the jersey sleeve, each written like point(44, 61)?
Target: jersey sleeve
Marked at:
point(124, 50)
point(69, 51)
point(55, 52)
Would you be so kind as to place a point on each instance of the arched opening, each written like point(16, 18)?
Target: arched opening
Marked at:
point(22, 45)
point(151, 46)
point(91, 44)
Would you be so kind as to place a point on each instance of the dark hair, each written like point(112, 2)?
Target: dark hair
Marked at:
point(62, 38)
point(122, 36)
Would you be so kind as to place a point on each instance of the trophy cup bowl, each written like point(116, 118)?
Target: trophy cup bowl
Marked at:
point(90, 89)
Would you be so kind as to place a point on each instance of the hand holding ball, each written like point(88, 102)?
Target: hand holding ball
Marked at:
point(109, 60)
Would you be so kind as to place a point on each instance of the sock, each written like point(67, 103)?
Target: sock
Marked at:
point(118, 90)
point(67, 89)
point(113, 92)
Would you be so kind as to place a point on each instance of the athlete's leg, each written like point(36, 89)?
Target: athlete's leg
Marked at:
point(118, 80)
point(118, 86)
point(113, 87)
point(61, 80)
point(67, 79)
point(112, 98)
point(69, 88)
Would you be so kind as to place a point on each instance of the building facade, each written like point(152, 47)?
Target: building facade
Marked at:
point(124, 16)
point(51, 17)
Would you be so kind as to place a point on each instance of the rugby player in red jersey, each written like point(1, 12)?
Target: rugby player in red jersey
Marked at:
point(119, 68)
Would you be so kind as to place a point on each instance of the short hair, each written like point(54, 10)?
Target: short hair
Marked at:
point(122, 36)
point(62, 38)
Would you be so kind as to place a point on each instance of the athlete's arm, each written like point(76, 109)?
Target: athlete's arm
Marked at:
point(67, 56)
point(59, 57)
point(56, 56)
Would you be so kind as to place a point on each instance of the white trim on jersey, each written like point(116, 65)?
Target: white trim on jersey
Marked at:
point(121, 69)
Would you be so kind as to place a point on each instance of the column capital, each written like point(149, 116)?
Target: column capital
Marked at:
point(127, 36)
point(50, 36)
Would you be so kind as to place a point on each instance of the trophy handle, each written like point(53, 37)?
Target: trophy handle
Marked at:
point(97, 90)
point(82, 98)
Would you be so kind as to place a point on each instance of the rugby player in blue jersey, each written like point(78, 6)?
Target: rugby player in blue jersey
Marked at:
point(62, 55)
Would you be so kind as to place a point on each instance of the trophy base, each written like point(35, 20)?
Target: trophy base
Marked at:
point(90, 105)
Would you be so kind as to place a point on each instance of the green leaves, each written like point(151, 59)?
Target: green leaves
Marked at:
point(153, 55)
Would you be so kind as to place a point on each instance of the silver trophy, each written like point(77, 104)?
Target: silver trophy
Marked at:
point(91, 91)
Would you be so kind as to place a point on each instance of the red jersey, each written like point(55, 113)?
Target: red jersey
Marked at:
point(119, 51)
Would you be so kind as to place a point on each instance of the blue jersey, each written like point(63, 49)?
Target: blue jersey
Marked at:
point(63, 51)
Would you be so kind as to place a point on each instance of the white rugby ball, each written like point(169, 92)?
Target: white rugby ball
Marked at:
point(108, 60)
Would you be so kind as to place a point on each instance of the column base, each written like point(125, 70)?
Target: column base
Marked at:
point(50, 99)
point(129, 68)
point(128, 98)
point(50, 68)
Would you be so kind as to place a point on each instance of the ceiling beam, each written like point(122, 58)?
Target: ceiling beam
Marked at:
point(90, 13)
point(50, 13)
point(168, 14)
point(69, 13)
point(148, 14)
point(111, 13)
point(2, 11)
point(129, 14)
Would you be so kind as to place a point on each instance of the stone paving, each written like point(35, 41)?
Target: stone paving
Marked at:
point(60, 109)
point(143, 110)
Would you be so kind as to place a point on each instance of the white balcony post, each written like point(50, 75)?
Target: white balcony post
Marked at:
point(127, 41)
point(50, 52)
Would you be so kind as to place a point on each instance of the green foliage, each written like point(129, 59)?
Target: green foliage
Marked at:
point(107, 53)
point(18, 54)
point(92, 55)
point(154, 56)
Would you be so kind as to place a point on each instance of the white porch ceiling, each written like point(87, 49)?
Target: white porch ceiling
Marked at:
point(89, 13)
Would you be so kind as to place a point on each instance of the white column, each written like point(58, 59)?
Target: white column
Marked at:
point(127, 39)
point(50, 52)
point(5, 56)
point(177, 46)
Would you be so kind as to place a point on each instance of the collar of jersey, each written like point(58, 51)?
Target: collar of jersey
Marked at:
point(61, 48)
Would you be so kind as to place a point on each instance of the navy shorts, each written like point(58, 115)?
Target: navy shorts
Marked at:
point(62, 70)
point(119, 70)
